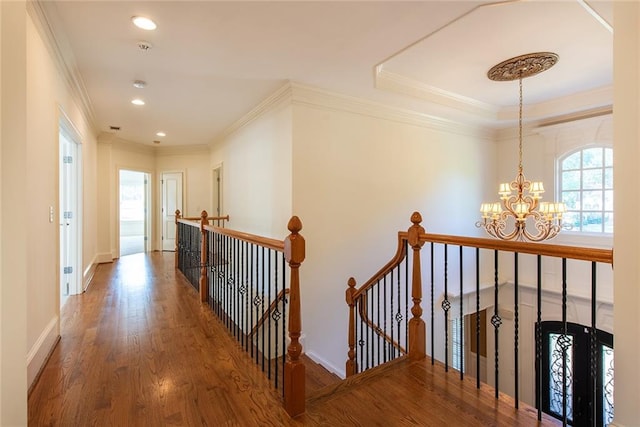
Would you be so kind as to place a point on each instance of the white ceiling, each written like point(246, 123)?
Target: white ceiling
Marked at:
point(213, 61)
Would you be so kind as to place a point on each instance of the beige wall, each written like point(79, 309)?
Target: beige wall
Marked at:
point(13, 218)
point(49, 97)
point(115, 154)
point(627, 204)
point(357, 178)
point(256, 174)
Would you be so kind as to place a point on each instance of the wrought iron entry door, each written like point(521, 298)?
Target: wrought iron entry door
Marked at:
point(589, 374)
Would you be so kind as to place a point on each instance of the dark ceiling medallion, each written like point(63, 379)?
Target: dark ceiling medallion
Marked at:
point(522, 66)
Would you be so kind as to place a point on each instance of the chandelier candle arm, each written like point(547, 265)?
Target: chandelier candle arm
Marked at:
point(508, 218)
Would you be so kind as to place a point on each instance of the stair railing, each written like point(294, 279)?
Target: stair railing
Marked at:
point(243, 279)
point(473, 266)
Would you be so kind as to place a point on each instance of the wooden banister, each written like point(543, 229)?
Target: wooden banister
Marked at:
point(417, 327)
point(274, 244)
point(351, 367)
point(294, 372)
point(204, 253)
point(177, 219)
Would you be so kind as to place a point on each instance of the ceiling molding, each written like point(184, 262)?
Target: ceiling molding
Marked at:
point(59, 49)
point(386, 80)
point(315, 97)
point(283, 94)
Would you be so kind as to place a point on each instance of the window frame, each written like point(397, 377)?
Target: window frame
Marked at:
point(560, 191)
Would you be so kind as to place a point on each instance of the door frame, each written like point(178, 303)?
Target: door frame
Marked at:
point(66, 127)
point(160, 228)
point(217, 183)
point(148, 218)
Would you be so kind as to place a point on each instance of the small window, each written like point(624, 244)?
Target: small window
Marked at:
point(586, 188)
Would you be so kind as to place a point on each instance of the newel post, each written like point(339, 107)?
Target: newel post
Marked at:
point(351, 355)
point(294, 370)
point(204, 283)
point(417, 329)
point(177, 255)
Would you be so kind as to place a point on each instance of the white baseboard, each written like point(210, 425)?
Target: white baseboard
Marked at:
point(330, 367)
point(103, 258)
point(39, 353)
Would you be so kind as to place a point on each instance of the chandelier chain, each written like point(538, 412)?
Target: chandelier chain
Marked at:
point(520, 128)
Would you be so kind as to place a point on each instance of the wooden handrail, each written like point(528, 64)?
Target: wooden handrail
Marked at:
point(559, 251)
point(266, 314)
point(277, 245)
point(209, 218)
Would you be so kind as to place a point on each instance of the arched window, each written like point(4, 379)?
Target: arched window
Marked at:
point(586, 187)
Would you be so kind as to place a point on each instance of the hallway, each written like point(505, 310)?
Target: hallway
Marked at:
point(138, 349)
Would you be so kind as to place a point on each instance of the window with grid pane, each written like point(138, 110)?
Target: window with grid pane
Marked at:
point(586, 188)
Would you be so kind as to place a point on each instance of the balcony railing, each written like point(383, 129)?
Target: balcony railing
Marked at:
point(481, 283)
point(252, 284)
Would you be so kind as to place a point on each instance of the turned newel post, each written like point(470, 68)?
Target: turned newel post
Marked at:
point(204, 283)
point(177, 254)
point(294, 370)
point(351, 360)
point(417, 330)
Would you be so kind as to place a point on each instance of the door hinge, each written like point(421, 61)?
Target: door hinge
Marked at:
point(67, 159)
point(68, 270)
point(67, 215)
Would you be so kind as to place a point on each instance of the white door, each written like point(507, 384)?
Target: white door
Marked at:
point(69, 217)
point(171, 201)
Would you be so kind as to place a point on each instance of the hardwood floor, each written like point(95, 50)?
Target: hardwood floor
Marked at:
point(138, 349)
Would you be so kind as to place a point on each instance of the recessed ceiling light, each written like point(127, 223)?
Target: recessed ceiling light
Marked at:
point(137, 101)
point(161, 134)
point(140, 84)
point(143, 23)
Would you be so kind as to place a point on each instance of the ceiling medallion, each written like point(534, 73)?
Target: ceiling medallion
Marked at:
point(522, 66)
point(520, 200)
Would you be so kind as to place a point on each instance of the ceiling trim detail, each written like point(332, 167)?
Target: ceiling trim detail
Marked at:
point(63, 57)
point(398, 83)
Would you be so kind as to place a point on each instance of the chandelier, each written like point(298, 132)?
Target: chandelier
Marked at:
point(520, 200)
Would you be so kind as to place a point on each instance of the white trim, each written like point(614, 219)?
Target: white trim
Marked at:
point(315, 97)
point(103, 258)
point(41, 349)
point(320, 361)
point(44, 18)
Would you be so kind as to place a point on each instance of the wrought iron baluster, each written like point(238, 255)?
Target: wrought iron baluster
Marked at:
point(432, 310)
point(539, 338)
point(406, 296)
point(262, 306)
point(496, 321)
point(461, 329)
point(478, 318)
point(593, 346)
point(377, 322)
point(268, 318)
point(386, 345)
point(565, 342)
point(446, 305)
point(515, 329)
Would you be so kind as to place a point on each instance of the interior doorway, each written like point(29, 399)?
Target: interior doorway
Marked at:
point(171, 201)
point(133, 220)
point(69, 213)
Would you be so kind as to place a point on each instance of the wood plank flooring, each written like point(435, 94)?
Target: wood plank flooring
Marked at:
point(138, 349)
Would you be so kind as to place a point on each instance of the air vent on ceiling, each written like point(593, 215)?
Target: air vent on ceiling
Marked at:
point(116, 128)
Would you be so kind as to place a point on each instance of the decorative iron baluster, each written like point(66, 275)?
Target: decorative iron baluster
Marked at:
point(496, 321)
point(515, 330)
point(539, 337)
point(564, 341)
point(593, 347)
point(446, 305)
point(461, 329)
point(433, 349)
point(478, 318)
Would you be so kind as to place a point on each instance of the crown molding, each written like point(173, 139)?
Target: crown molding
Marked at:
point(273, 101)
point(44, 19)
point(397, 83)
point(320, 98)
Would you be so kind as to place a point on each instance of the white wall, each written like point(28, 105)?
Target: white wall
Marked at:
point(627, 228)
point(256, 173)
point(357, 178)
point(48, 96)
